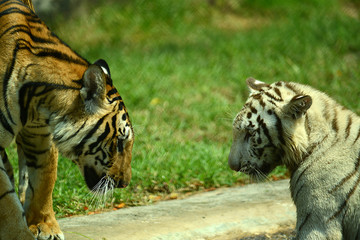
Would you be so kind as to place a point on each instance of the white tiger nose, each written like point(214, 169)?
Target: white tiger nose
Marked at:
point(234, 158)
point(234, 165)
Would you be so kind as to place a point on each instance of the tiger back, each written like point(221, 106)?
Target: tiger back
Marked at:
point(52, 99)
point(318, 140)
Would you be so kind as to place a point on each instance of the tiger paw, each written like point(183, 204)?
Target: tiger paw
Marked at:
point(46, 231)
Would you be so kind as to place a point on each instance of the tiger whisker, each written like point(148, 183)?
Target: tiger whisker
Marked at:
point(101, 192)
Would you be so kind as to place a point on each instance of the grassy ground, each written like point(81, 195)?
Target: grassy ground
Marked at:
point(181, 66)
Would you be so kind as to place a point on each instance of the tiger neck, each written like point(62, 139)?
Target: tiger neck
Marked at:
point(325, 124)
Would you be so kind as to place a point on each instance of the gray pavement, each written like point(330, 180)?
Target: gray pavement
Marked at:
point(225, 213)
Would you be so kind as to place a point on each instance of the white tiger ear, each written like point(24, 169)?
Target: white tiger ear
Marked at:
point(256, 85)
point(93, 91)
point(298, 105)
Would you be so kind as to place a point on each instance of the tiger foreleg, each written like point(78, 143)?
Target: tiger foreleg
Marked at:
point(311, 228)
point(23, 174)
point(42, 170)
point(8, 167)
point(11, 213)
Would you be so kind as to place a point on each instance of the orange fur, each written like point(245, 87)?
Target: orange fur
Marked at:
point(51, 100)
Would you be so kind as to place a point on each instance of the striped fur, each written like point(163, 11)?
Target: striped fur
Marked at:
point(318, 140)
point(51, 100)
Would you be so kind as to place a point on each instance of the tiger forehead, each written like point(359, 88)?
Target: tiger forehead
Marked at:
point(254, 110)
point(278, 91)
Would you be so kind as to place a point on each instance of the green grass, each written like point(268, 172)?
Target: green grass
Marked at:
point(181, 66)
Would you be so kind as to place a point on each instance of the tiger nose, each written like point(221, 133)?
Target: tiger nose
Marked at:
point(234, 162)
point(121, 184)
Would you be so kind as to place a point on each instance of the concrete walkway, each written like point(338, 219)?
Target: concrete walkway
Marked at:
point(221, 214)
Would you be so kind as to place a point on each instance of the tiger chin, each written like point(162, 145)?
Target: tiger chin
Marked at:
point(53, 100)
point(319, 142)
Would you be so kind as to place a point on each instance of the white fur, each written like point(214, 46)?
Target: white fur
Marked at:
point(321, 150)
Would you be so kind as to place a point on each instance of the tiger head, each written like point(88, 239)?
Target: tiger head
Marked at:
point(103, 140)
point(263, 135)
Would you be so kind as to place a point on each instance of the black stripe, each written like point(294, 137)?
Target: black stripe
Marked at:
point(6, 193)
point(27, 143)
point(74, 52)
point(279, 84)
point(111, 92)
point(277, 91)
point(312, 147)
point(117, 98)
point(303, 223)
point(79, 148)
point(13, 10)
point(5, 157)
point(356, 169)
point(257, 96)
point(357, 137)
point(12, 27)
point(307, 126)
point(101, 138)
point(297, 180)
point(273, 97)
point(5, 123)
point(253, 110)
point(33, 165)
point(334, 123)
point(30, 156)
point(295, 194)
point(279, 129)
point(47, 52)
point(37, 152)
point(326, 110)
point(348, 127)
point(291, 87)
point(272, 102)
point(31, 188)
point(6, 79)
point(33, 38)
point(343, 205)
point(1, 168)
point(121, 106)
point(113, 124)
point(28, 91)
point(266, 132)
point(37, 126)
point(57, 138)
point(262, 103)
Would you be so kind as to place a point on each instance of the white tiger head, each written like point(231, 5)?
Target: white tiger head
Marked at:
point(263, 129)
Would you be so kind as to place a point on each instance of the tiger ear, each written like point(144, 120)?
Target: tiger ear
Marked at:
point(255, 85)
point(104, 66)
point(298, 105)
point(93, 91)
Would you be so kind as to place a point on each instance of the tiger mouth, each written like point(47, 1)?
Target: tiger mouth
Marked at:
point(248, 169)
point(93, 180)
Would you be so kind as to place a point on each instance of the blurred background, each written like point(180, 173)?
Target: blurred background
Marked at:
point(180, 67)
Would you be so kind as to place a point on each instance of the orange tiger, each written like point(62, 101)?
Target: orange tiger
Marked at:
point(53, 99)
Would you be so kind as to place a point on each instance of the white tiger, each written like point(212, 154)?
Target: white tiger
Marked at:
point(318, 140)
